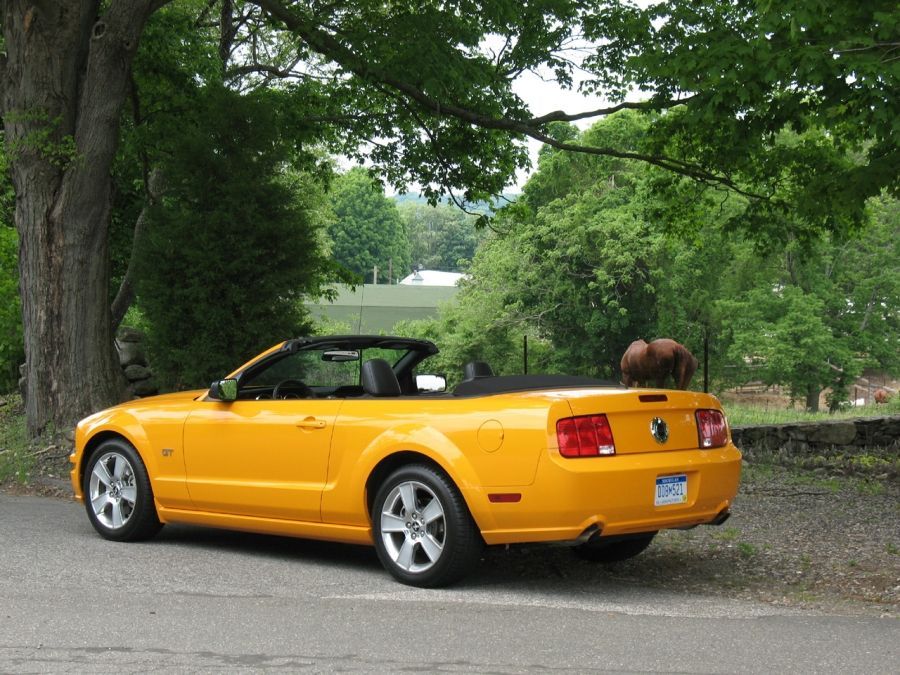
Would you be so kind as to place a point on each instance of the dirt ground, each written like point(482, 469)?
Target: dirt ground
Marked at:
point(795, 539)
point(762, 396)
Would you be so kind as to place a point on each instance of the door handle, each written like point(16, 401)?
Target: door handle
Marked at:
point(311, 423)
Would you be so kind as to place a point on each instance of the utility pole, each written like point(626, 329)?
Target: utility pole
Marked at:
point(375, 274)
point(525, 353)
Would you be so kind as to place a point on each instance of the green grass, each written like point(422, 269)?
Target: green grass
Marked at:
point(728, 534)
point(16, 457)
point(746, 549)
point(740, 415)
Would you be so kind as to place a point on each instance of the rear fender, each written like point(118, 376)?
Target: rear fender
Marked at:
point(341, 499)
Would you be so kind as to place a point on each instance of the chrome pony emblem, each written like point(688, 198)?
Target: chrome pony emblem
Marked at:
point(659, 429)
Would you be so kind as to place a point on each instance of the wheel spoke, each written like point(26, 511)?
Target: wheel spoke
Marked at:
point(129, 494)
point(405, 557)
point(119, 466)
point(392, 523)
point(408, 496)
point(432, 512)
point(431, 547)
point(99, 503)
point(102, 474)
point(117, 518)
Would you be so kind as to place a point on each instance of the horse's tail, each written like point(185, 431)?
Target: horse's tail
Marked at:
point(684, 366)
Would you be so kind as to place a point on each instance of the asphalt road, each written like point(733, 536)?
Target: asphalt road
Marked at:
point(205, 600)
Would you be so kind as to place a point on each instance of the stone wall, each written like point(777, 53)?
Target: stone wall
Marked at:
point(133, 359)
point(844, 436)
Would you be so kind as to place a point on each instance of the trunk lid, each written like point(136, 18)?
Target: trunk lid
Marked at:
point(646, 420)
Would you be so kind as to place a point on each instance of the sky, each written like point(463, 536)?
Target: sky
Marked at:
point(544, 96)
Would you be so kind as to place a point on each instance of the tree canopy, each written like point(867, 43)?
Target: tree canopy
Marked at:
point(593, 257)
point(367, 231)
point(424, 92)
point(235, 245)
point(441, 237)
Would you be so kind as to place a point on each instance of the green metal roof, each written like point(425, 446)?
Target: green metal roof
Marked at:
point(380, 306)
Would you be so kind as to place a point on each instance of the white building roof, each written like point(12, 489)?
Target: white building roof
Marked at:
point(432, 278)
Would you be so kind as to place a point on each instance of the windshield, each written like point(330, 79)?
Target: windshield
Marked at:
point(320, 368)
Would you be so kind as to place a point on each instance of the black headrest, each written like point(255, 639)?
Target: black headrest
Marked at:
point(477, 369)
point(378, 378)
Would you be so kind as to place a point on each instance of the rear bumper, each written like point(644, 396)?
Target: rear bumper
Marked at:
point(612, 496)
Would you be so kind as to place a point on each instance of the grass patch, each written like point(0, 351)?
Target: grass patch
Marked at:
point(728, 534)
point(832, 485)
point(740, 415)
point(16, 456)
point(746, 549)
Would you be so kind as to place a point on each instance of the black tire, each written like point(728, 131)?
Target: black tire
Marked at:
point(113, 475)
point(419, 546)
point(616, 549)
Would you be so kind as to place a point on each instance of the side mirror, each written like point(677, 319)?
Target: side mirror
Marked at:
point(223, 390)
point(431, 383)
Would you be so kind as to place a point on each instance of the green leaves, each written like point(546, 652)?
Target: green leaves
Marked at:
point(234, 246)
point(367, 230)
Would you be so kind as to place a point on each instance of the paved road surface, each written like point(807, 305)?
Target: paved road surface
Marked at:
point(196, 599)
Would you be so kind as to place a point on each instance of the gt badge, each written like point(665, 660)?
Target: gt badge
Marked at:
point(659, 429)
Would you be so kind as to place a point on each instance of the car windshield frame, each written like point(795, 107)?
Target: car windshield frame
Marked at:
point(413, 351)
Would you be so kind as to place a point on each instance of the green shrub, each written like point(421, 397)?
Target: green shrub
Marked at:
point(234, 246)
point(12, 349)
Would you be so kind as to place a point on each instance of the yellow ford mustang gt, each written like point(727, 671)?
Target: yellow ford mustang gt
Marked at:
point(338, 438)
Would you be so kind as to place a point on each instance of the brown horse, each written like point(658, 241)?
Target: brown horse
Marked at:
point(654, 362)
point(882, 396)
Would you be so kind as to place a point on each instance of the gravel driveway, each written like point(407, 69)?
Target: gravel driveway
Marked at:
point(795, 538)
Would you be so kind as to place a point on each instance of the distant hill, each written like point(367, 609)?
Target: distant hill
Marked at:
point(478, 207)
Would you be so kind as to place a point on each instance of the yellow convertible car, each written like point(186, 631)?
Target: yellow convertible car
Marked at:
point(349, 439)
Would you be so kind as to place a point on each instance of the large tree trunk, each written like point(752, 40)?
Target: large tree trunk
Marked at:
point(64, 83)
point(812, 397)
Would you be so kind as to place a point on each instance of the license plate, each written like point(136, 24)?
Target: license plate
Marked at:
point(671, 490)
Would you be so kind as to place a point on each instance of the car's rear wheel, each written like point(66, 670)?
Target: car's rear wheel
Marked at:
point(614, 549)
point(424, 534)
point(117, 493)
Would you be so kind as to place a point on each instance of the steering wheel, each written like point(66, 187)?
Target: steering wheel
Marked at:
point(296, 386)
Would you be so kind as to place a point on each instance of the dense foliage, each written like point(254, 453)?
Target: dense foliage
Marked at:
point(424, 92)
point(367, 231)
point(597, 253)
point(441, 237)
point(233, 247)
point(12, 351)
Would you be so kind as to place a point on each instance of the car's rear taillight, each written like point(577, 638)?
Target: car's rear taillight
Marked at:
point(585, 436)
point(711, 428)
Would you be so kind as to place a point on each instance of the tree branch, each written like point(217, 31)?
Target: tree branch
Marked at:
point(125, 294)
point(263, 69)
point(562, 116)
point(327, 45)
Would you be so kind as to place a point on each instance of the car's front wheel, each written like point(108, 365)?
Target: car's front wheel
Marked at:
point(424, 534)
point(614, 549)
point(117, 493)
